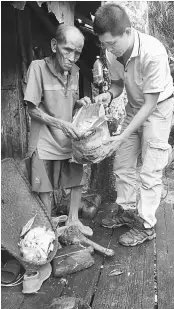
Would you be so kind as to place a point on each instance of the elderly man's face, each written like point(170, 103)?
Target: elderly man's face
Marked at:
point(68, 53)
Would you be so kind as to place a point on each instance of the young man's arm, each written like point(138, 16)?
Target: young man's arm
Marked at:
point(37, 114)
point(154, 74)
point(150, 102)
point(153, 84)
point(103, 98)
point(116, 88)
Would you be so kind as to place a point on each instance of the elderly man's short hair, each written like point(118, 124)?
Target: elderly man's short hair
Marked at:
point(62, 31)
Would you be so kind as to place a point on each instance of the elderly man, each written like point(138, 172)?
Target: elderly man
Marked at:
point(51, 95)
point(140, 63)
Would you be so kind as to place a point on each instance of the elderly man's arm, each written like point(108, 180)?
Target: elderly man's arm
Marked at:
point(42, 117)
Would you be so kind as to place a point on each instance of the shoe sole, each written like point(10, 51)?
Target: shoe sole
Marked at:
point(113, 226)
point(118, 225)
point(37, 288)
point(138, 242)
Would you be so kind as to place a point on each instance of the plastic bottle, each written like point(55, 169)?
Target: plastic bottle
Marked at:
point(97, 72)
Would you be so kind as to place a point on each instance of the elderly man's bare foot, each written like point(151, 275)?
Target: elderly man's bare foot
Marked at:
point(85, 230)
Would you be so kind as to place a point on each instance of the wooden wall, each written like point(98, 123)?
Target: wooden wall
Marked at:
point(13, 120)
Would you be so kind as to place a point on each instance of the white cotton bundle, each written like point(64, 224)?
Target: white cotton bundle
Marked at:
point(37, 244)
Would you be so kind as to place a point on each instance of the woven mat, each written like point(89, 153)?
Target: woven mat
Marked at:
point(19, 205)
point(11, 300)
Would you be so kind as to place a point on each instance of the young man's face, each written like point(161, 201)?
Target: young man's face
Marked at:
point(117, 45)
point(68, 53)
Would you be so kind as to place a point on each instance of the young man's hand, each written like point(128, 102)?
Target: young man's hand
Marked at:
point(113, 144)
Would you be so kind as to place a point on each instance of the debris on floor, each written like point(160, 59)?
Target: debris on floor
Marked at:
point(72, 235)
point(69, 303)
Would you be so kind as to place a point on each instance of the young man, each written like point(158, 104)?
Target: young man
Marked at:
point(140, 63)
point(51, 94)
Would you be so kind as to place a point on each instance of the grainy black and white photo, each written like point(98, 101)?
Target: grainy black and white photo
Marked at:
point(87, 154)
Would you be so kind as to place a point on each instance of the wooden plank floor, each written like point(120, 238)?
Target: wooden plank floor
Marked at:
point(134, 288)
point(165, 256)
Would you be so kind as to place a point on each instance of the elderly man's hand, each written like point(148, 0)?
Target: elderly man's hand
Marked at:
point(84, 101)
point(70, 130)
point(113, 144)
point(103, 98)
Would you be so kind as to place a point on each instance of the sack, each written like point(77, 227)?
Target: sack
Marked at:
point(92, 123)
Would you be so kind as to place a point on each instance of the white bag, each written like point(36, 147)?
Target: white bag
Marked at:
point(92, 123)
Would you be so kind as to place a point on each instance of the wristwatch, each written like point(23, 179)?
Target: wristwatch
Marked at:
point(112, 96)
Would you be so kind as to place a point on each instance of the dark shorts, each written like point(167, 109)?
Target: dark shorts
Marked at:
point(49, 175)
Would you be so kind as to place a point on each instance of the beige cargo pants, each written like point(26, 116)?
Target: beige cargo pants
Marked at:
point(151, 140)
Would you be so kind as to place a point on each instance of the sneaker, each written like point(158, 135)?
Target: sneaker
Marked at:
point(119, 217)
point(33, 282)
point(137, 235)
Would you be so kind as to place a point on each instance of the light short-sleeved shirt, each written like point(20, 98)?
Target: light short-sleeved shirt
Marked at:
point(47, 90)
point(147, 70)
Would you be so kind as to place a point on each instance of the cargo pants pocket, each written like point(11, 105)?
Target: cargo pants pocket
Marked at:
point(157, 156)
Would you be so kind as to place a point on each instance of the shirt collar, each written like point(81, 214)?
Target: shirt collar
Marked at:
point(50, 65)
point(136, 48)
point(71, 73)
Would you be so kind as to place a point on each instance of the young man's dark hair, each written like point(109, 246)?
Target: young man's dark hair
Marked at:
point(111, 18)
